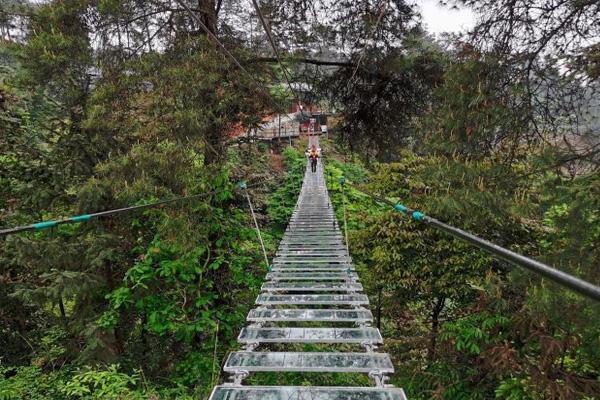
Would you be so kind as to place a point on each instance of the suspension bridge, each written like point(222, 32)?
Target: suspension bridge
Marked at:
point(312, 296)
point(311, 281)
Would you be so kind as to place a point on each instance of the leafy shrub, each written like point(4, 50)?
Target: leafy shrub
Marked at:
point(92, 384)
point(281, 204)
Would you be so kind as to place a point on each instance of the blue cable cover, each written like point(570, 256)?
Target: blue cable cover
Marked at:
point(417, 216)
point(401, 208)
point(44, 225)
point(80, 218)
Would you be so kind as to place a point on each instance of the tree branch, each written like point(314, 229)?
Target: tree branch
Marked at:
point(306, 61)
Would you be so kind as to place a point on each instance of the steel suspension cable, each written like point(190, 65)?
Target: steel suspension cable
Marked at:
point(269, 33)
point(362, 53)
point(343, 185)
point(86, 217)
point(262, 244)
point(569, 281)
point(216, 39)
point(210, 34)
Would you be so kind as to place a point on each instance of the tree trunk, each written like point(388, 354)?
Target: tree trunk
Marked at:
point(215, 149)
point(61, 306)
point(435, 323)
point(214, 153)
point(148, 35)
point(208, 14)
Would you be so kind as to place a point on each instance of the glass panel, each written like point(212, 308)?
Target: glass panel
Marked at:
point(314, 256)
point(307, 286)
point(310, 252)
point(303, 241)
point(314, 237)
point(309, 362)
point(311, 335)
point(258, 335)
point(348, 299)
point(347, 362)
point(319, 334)
point(310, 315)
point(309, 276)
point(255, 360)
point(312, 268)
point(364, 315)
point(320, 314)
point(305, 393)
point(315, 261)
point(357, 334)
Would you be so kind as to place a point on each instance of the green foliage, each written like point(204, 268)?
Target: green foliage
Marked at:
point(101, 384)
point(146, 305)
point(513, 389)
point(282, 202)
point(29, 382)
point(474, 117)
point(59, 51)
point(505, 335)
point(384, 100)
point(470, 333)
point(165, 288)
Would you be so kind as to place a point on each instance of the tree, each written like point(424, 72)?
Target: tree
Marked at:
point(474, 114)
point(381, 99)
point(143, 114)
point(547, 44)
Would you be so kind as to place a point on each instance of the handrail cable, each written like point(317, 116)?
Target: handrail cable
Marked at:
point(216, 39)
point(269, 33)
point(342, 181)
point(362, 53)
point(262, 244)
point(87, 217)
point(569, 281)
point(262, 87)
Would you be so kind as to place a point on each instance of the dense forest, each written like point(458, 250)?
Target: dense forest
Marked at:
point(113, 103)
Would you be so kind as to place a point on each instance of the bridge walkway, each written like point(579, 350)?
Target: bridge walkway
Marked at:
point(312, 295)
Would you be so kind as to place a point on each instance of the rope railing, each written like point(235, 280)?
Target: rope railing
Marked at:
point(564, 279)
point(86, 217)
point(342, 181)
point(244, 187)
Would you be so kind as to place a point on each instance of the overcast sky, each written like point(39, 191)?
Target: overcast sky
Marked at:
point(437, 19)
point(440, 19)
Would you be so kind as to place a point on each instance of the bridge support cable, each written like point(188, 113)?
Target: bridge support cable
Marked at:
point(564, 279)
point(86, 217)
point(342, 184)
point(262, 244)
point(269, 33)
point(264, 89)
point(312, 295)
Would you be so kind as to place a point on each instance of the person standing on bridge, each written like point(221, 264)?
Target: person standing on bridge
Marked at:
point(313, 156)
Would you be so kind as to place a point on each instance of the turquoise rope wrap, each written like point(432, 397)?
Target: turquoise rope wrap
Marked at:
point(417, 216)
point(270, 268)
point(342, 180)
point(243, 185)
point(44, 225)
point(81, 218)
point(401, 208)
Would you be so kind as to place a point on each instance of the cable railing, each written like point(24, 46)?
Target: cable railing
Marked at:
point(564, 279)
point(86, 217)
